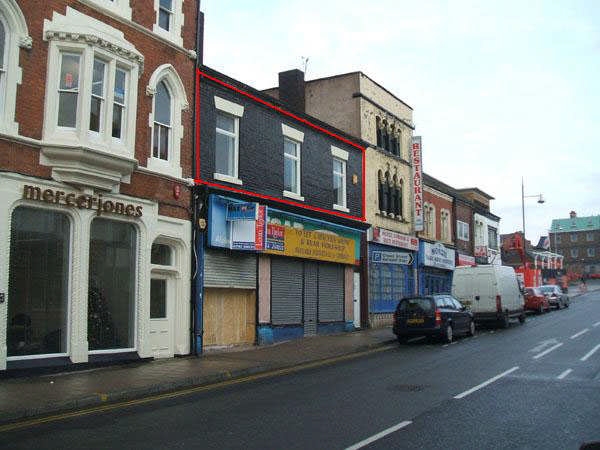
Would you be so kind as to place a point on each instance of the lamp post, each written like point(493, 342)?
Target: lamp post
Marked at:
point(540, 198)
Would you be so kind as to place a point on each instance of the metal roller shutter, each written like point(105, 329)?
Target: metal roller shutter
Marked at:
point(311, 274)
point(331, 293)
point(227, 269)
point(286, 291)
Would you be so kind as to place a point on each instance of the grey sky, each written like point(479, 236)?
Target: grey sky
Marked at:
point(499, 90)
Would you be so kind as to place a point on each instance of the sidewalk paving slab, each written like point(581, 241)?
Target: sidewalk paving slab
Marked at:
point(40, 395)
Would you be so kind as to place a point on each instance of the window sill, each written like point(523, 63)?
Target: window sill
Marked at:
point(227, 178)
point(293, 195)
point(341, 208)
point(163, 167)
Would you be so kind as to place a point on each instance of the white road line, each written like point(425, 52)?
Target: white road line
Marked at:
point(485, 383)
point(545, 352)
point(597, 324)
point(576, 335)
point(590, 353)
point(564, 374)
point(377, 436)
point(415, 339)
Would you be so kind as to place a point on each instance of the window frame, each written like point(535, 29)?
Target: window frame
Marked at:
point(236, 111)
point(296, 137)
point(175, 24)
point(574, 253)
point(462, 230)
point(340, 156)
point(591, 252)
point(119, 7)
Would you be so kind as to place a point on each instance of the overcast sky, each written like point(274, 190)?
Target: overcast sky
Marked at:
point(499, 89)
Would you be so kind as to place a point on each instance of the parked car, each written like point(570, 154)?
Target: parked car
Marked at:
point(555, 296)
point(439, 315)
point(491, 291)
point(535, 300)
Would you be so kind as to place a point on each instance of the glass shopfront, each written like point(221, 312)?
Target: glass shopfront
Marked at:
point(111, 295)
point(38, 283)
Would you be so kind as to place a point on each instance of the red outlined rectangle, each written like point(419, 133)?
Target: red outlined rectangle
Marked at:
point(198, 179)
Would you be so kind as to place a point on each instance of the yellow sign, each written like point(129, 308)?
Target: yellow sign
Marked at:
point(312, 245)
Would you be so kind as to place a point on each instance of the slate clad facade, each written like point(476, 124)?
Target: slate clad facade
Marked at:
point(299, 183)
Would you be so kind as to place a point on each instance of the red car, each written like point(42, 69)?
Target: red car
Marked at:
point(535, 300)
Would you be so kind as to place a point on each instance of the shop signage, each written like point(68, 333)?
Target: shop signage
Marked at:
point(387, 237)
point(288, 241)
point(437, 255)
point(241, 211)
point(96, 203)
point(392, 258)
point(465, 260)
point(417, 182)
point(481, 251)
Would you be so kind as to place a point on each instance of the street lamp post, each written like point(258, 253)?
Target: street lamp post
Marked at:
point(540, 198)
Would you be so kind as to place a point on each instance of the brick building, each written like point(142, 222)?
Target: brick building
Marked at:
point(578, 240)
point(95, 157)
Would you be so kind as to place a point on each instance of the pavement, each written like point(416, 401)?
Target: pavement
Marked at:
point(43, 395)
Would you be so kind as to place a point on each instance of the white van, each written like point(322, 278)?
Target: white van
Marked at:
point(491, 291)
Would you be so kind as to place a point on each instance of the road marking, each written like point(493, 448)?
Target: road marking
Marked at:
point(597, 324)
point(378, 436)
point(564, 374)
point(415, 339)
point(545, 352)
point(590, 353)
point(485, 383)
point(576, 335)
point(543, 345)
point(27, 423)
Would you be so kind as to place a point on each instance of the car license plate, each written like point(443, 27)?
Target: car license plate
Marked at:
point(415, 321)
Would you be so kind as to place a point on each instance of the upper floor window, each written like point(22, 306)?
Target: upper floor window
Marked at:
point(13, 34)
point(340, 157)
point(292, 146)
point(227, 140)
point(462, 230)
point(573, 237)
point(388, 137)
point(390, 193)
point(591, 252)
point(589, 237)
point(169, 19)
point(574, 252)
point(557, 239)
point(169, 100)
point(429, 220)
point(445, 225)
point(91, 98)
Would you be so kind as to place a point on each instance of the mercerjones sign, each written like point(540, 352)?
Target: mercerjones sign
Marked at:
point(81, 201)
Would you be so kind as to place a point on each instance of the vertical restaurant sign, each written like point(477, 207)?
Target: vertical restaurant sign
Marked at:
point(417, 182)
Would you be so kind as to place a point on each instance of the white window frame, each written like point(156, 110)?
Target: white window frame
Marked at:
point(462, 230)
point(445, 225)
point(429, 210)
point(16, 37)
point(574, 237)
point(297, 138)
point(176, 23)
point(179, 103)
point(236, 111)
point(341, 156)
point(591, 252)
point(65, 35)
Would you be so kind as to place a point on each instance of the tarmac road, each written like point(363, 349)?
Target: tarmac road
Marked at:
point(535, 385)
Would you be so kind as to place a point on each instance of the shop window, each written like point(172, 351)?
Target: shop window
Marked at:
point(112, 277)
point(38, 283)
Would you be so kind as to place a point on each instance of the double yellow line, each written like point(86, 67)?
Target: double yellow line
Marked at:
point(153, 398)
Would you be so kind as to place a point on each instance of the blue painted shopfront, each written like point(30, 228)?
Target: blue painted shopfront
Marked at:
point(435, 269)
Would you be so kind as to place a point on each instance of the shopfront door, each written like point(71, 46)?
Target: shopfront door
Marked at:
point(161, 316)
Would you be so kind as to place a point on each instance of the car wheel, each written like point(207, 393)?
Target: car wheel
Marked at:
point(504, 323)
point(522, 319)
point(449, 335)
point(567, 304)
point(471, 331)
point(541, 309)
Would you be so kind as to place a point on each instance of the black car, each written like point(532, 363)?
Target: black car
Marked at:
point(439, 315)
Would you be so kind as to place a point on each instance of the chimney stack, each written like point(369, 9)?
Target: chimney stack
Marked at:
point(291, 89)
point(572, 214)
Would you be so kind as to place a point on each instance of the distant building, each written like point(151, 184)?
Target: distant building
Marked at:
point(578, 240)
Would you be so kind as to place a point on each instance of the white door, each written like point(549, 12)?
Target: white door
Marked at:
point(161, 316)
point(356, 298)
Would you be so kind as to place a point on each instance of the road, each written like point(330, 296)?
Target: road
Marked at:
point(530, 386)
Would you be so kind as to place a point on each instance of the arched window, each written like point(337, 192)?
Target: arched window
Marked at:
point(161, 133)
point(384, 136)
point(392, 147)
point(168, 102)
point(13, 34)
point(378, 132)
point(398, 149)
point(394, 189)
point(380, 192)
point(399, 202)
point(388, 194)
